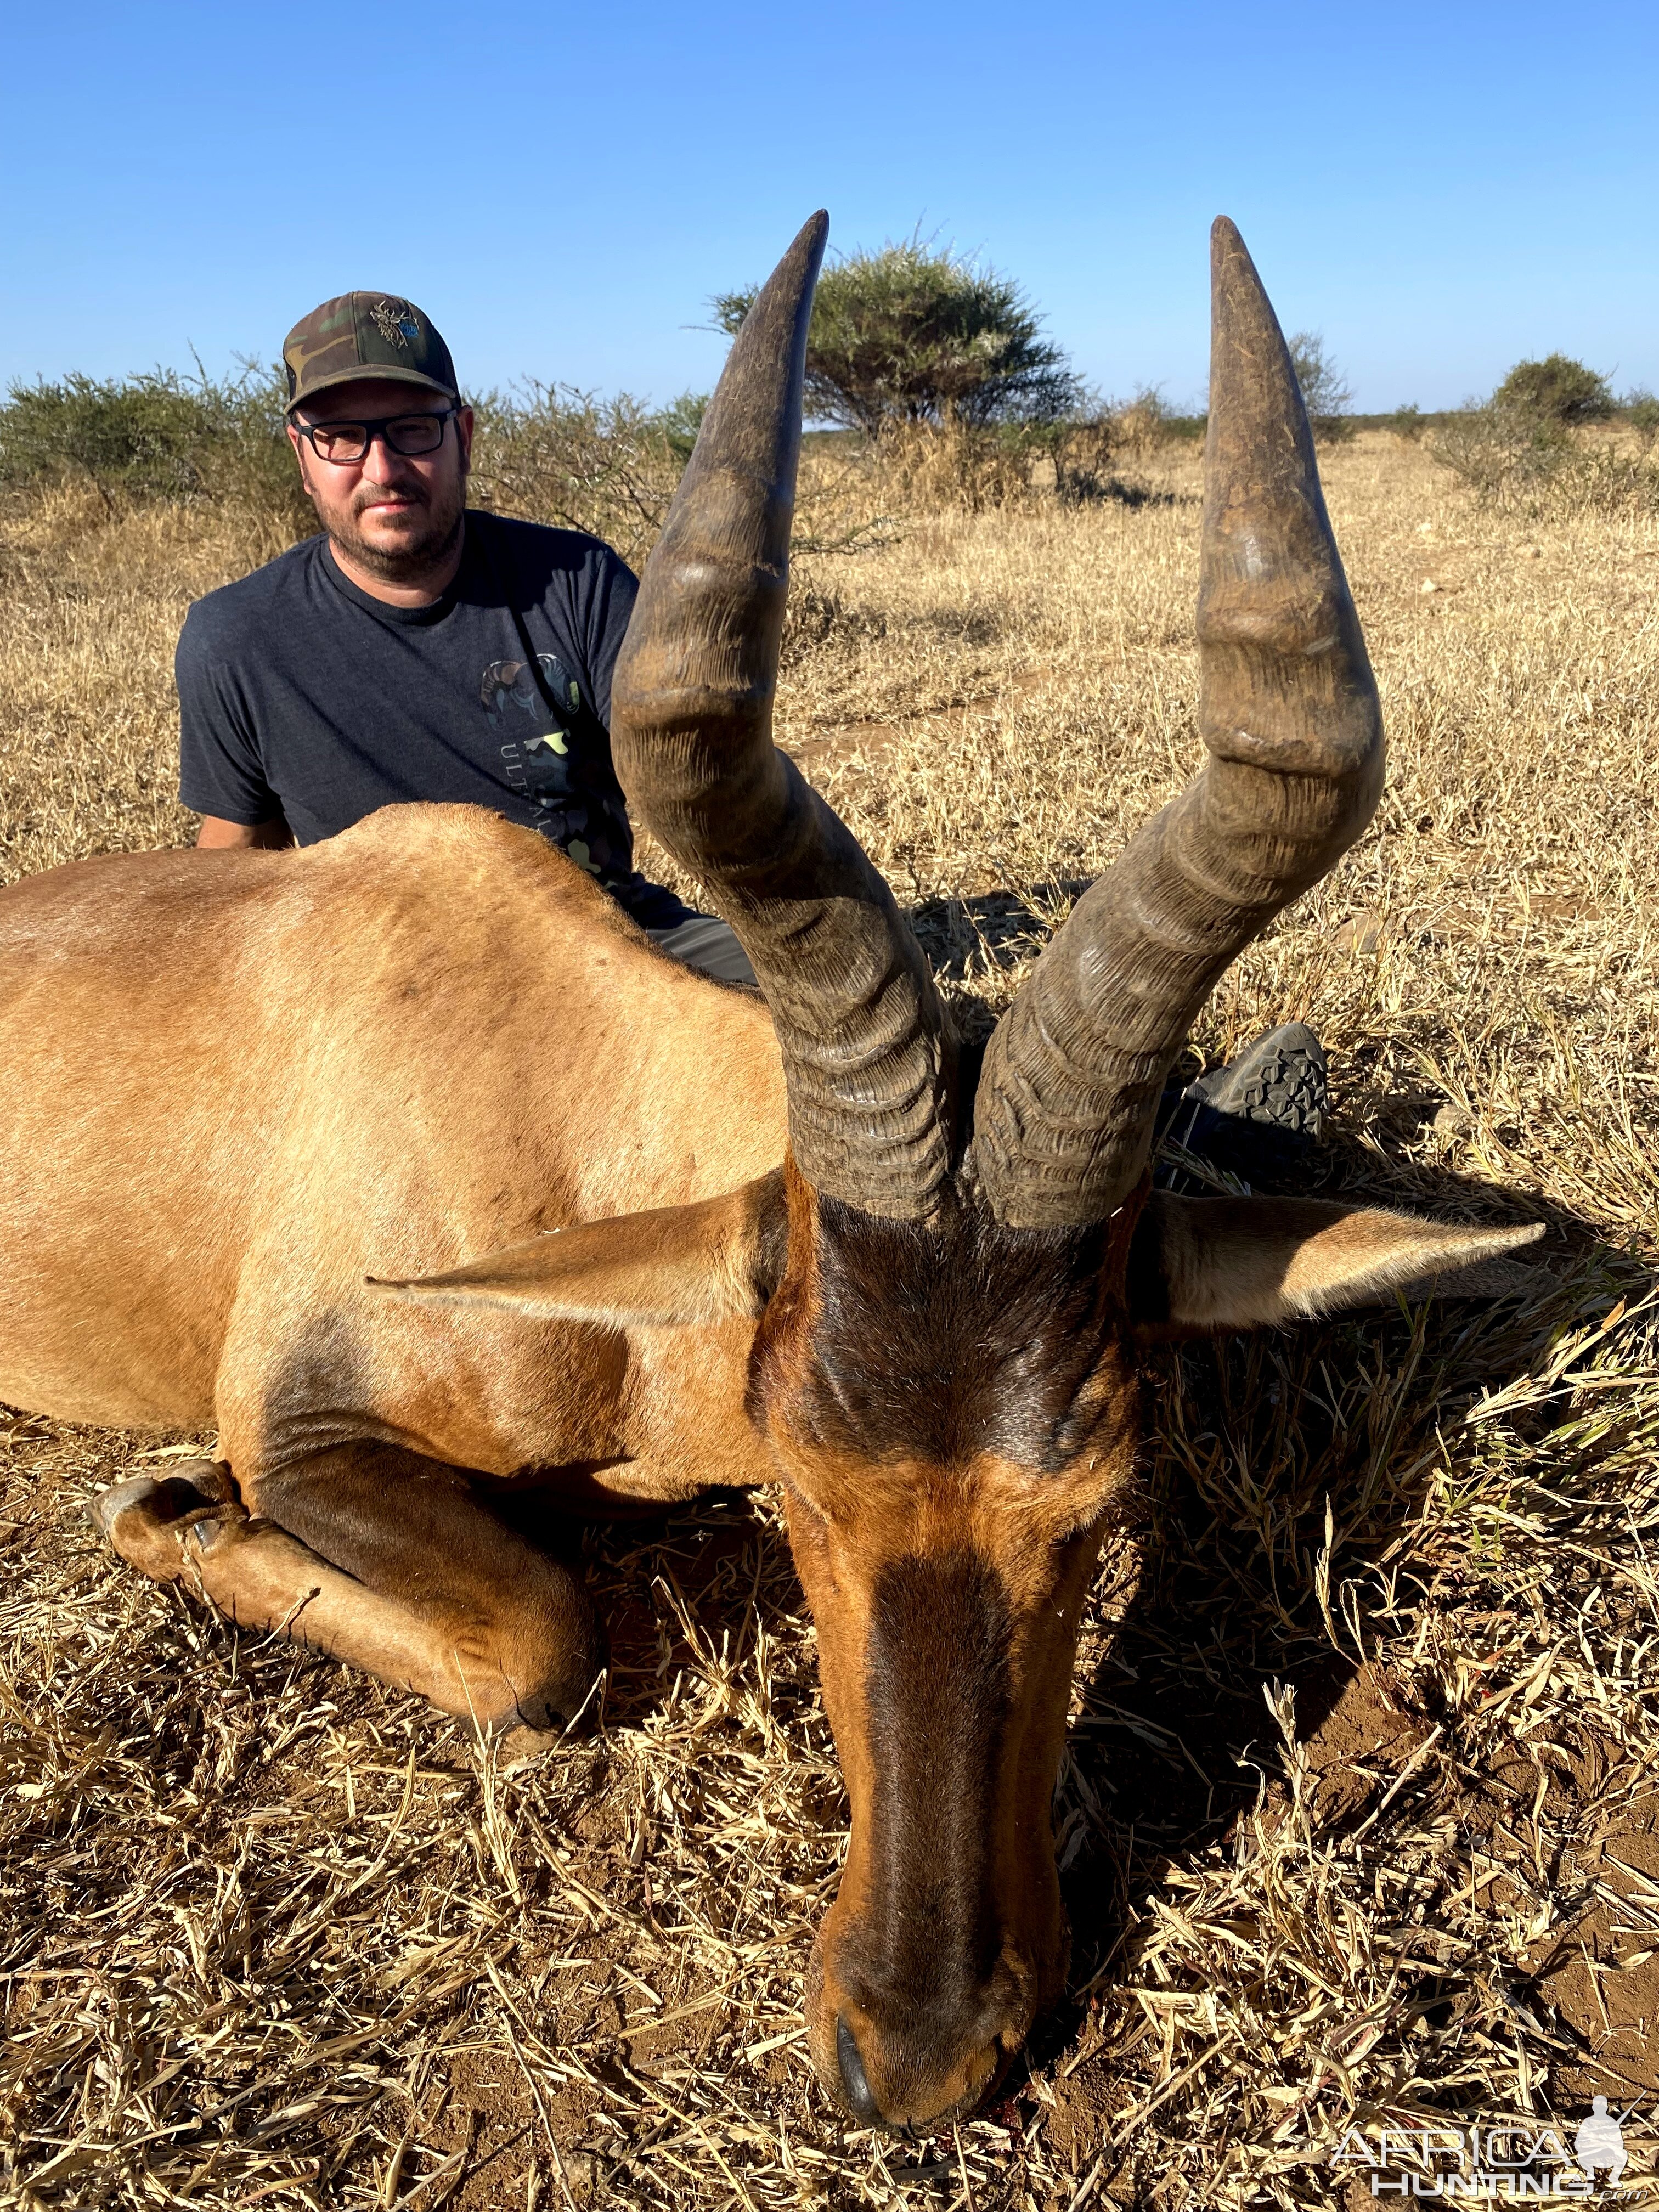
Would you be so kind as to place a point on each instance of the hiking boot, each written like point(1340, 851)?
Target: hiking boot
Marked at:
point(1259, 1116)
point(1279, 1080)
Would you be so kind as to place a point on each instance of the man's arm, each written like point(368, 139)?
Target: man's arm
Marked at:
point(216, 835)
point(221, 774)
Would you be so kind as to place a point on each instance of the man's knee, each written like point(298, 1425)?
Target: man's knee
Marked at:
point(710, 946)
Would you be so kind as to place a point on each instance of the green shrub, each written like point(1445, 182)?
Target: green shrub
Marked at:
point(1517, 460)
point(1325, 392)
point(1143, 423)
point(158, 436)
point(915, 334)
point(551, 454)
point(1556, 390)
point(1407, 421)
point(1521, 447)
point(1641, 411)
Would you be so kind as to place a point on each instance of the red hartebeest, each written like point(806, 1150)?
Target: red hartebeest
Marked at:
point(262, 1111)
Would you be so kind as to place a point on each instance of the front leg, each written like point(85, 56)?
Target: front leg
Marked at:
point(384, 1560)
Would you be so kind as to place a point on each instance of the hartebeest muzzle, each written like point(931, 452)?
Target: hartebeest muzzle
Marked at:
point(949, 1462)
point(946, 1938)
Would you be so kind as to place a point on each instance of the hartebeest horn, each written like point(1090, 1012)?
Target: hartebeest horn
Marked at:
point(868, 1055)
point(1288, 708)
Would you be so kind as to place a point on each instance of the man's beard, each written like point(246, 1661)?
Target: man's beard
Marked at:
point(417, 557)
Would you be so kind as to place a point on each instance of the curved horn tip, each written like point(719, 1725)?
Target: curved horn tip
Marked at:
point(807, 247)
point(782, 306)
point(1233, 273)
point(1230, 258)
point(1237, 295)
point(810, 241)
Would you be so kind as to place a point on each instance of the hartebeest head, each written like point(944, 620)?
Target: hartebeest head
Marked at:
point(950, 1280)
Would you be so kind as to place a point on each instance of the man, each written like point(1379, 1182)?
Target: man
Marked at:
point(417, 649)
point(421, 650)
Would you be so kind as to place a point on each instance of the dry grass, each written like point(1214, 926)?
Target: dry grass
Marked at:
point(1360, 1813)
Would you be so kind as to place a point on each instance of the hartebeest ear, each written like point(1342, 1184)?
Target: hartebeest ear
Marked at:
point(1213, 1263)
point(675, 1266)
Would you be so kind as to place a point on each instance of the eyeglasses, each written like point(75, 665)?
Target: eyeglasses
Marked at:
point(408, 434)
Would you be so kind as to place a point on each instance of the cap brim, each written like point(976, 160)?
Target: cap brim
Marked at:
point(370, 373)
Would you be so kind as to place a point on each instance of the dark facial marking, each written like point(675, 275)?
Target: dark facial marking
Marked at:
point(926, 1948)
point(946, 1341)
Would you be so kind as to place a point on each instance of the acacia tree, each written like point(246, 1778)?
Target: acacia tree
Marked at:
point(917, 334)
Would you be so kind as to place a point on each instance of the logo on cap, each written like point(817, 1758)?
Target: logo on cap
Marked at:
point(395, 321)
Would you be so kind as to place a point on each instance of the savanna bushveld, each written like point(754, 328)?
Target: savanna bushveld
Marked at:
point(1352, 1819)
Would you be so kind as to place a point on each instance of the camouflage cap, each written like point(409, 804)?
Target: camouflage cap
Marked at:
point(364, 334)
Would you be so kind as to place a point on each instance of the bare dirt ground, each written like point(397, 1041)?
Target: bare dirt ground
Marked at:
point(1360, 1818)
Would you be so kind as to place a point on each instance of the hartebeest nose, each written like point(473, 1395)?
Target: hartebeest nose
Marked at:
point(853, 2079)
point(915, 2089)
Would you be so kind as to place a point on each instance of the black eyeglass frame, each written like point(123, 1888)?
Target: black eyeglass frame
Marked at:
point(380, 426)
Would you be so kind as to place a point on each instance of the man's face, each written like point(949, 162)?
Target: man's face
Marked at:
point(398, 514)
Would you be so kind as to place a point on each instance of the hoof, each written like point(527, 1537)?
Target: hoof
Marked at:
point(147, 1517)
point(120, 1498)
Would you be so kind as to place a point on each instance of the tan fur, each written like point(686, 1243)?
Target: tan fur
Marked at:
point(239, 1084)
point(265, 1580)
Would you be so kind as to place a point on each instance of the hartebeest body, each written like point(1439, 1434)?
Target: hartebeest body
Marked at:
point(261, 1112)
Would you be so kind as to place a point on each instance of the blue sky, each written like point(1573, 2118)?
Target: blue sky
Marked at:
point(1440, 190)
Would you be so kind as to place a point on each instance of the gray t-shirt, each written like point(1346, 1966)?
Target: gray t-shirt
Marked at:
point(301, 695)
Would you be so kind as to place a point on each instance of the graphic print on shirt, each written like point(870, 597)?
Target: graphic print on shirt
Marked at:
point(537, 760)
